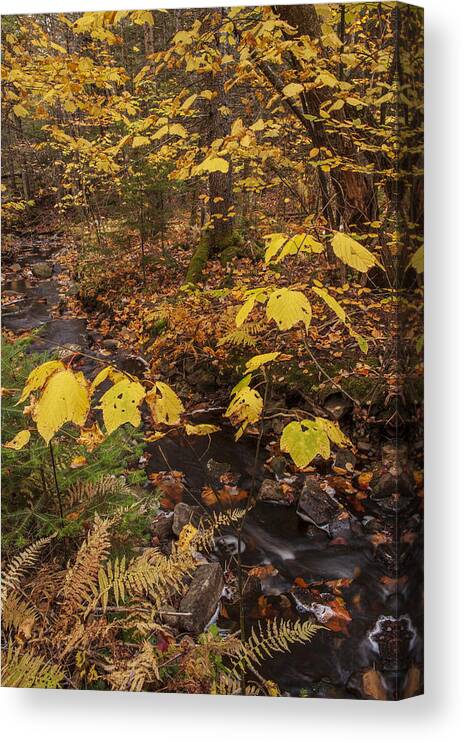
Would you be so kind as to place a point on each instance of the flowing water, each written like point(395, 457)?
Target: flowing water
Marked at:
point(373, 613)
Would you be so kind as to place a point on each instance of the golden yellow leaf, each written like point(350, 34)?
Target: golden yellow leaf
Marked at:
point(287, 308)
point(292, 90)
point(78, 461)
point(164, 403)
point(38, 377)
point(120, 404)
point(91, 437)
point(260, 360)
point(64, 399)
point(201, 429)
point(20, 440)
point(352, 253)
point(245, 407)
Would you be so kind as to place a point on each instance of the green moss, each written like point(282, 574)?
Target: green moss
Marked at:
point(197, 262)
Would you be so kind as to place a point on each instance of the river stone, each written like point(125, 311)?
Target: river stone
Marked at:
point(202, 597)
point(110, 344)
point(345, 460)
point(278, 465)
point(216, 469)
point(184, 514)
point(41, 270)
point(315, 505)
point(270, 491)
point(162, 526)
point(338, 405)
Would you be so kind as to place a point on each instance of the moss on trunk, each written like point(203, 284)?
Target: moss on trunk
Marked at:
point(198, 262)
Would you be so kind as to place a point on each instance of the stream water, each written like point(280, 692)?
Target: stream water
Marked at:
point(346, 579)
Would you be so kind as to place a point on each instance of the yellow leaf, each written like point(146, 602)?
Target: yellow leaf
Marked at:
point(260, 360)
point(164, 403)
point(91, 437)
point(333, 431)
point(188, 533)
point(331, 302)
point(352, 253)
point(284, 245)
point(362, 342)
point(244, 311)
point(245, 407)
point(303, 441)
point(188, 102)
point(107, 373)
point(287, 308)
point(20, 440)
point(213, 165)
point(140, 141)
point(417, 260)
point(201, 429)
point(120, 404)
point(78, 461)
point(20, 110)
point(292, 90)
point(64, 399)
point(142, 16)
point(38, 377)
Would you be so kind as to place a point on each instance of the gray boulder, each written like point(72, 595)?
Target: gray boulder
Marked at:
point(202, 598)
point(42, 269)
point(315, 505)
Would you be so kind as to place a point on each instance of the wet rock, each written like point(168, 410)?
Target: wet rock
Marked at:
point(278, 466)
point(184, 514)
point(216, 469)
point(110, 344)
point(203, 380)
point(338, 405)
point(169, 616)
point(134, 365)
point(315, 505)
point(344, 526)
point(202, 597)
point(345, 460)
point(41, 270)
point(162, 527)
point(271, 491)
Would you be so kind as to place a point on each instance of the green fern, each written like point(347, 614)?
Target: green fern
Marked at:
point(245, 335)
point(28, 670)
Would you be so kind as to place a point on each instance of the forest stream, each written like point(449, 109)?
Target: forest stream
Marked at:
point(320, 561)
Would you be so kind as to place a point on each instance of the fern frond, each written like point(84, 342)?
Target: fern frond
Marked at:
point(204, 540)
point(139, 671)
point(231, 686)
point(106, 487)
point(80, 585)
point(274, 637)
point(150, 574)
point(18, 613)
point(245, 335)
point(20, 564)
point(28, 670)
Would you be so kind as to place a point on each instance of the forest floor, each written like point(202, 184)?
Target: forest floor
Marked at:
point(319, 542)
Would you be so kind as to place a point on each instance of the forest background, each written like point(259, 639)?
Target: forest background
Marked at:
point(443, 267)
